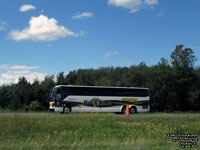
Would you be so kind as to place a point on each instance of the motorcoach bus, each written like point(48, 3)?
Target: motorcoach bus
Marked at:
point(71, 98)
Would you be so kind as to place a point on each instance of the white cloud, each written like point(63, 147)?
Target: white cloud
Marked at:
point(160, 14)
point(82, 33)
point(128, 63)
point(133, 5)
point(42, 28)
point(2, 28)
point(115, 53)
point(17, 67)
point(151, 2)
point(24, 8)
point(109, 54)
point(83, 15)
point(106, 55)
point(2, 25)
point(11, 74)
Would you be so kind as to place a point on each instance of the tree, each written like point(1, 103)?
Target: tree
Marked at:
point(46, 87)
point(61, 78)
point(161, 84)
point(183, 57)
point(4, 96)
point(35, 87)
point(71, 77)
point(138, 75)
point(174, 85)
point(182, 61)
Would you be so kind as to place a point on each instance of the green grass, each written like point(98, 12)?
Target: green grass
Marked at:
point(96, 131)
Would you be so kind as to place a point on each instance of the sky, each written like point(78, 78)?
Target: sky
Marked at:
point(46, 37)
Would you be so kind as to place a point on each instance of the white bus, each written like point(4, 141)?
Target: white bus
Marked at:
point(70, 98)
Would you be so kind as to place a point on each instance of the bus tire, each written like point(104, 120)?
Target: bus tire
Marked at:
point(133, 110)
point(66, 110)
point(123, 111)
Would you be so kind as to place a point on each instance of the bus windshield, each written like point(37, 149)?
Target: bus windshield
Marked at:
point(53, 94)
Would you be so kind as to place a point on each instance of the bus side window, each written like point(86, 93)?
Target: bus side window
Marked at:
point(58, 94)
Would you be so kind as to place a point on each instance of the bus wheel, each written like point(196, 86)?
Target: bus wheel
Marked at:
point(123, 110)
point(66, 110)
point(133, 110)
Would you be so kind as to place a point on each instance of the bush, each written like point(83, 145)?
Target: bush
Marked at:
point(33, 106)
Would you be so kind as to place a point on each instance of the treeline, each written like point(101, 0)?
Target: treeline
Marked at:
point(174, 84)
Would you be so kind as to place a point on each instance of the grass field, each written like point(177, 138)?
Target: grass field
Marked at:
point(93, 131)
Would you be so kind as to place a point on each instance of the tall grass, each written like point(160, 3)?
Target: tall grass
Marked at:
point(94, 131)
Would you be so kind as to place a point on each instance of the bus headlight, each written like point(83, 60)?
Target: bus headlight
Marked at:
point(51, 104)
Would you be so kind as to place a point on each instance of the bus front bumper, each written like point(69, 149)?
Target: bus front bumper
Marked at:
point(58, 109)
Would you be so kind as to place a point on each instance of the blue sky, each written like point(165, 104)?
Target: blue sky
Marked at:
point(45, 37)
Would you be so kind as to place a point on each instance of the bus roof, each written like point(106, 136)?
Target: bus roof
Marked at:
point(100, 87)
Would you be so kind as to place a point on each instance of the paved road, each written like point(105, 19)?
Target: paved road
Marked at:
point(56, 114)
point(27, 114)
point(99, 114)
